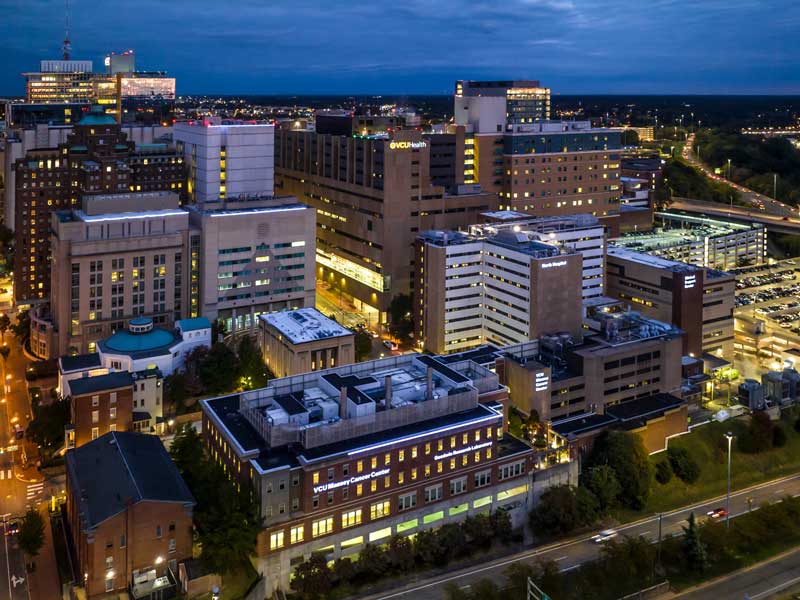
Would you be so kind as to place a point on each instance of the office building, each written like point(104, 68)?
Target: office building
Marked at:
point(496, 106)
point(648, 169)
point(353, 455)
point(123, 62)
point(255, 255)
point(119, 256)
point(226, 159)
point(575, 233)
point(559, 376)
point(700, 241)
point(98, 405)
point(699, 301)
point(302, 341)
point(129, 514)
point(96, 159)
point(67, 81)
point(372, 195)
point(504, 289)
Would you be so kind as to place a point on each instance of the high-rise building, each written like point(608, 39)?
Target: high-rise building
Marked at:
point(124, 62)
point(353, 455)
point(372, 195)
point(503, 289)
point(579, 233)
point(226, 159)
point(67, 81)
point(498, 105)
point(117, 257)
point(96, 159)
point(255, 255)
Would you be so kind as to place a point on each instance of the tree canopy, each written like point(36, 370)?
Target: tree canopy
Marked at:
point(625, 454)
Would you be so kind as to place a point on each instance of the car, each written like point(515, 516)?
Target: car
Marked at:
point(19, 432)
point(717, 513)
point(390, 344)
point(604, 536)
point(12, 528)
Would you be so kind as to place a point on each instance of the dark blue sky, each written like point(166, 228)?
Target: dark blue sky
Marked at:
point(422, 46)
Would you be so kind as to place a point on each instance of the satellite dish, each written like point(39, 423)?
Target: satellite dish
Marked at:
point(722, 415)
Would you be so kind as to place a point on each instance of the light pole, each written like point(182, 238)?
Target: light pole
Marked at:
point(729, 437)
point(729, 169)
point(775, 186)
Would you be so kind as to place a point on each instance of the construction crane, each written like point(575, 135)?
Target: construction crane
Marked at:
point(67, 47)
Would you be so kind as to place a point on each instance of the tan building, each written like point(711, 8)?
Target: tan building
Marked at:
point(121, 256)
point(303, 340)
point(699, 301)
point(372, 195)
point(503, 289)
point(130, 516)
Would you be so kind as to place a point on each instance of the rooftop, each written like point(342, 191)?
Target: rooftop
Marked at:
point(155, 342)
point(650, 260)
point(79, 362)
point(121, 468)
point(193, 324)
point(99, 383)
point(305, 325)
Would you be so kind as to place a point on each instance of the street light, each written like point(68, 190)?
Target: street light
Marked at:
point(729, 437)
point(729, 169)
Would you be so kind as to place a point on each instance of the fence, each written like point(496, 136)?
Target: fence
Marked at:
point(652, 592)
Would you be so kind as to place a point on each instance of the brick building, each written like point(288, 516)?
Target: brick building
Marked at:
point(129, 514)
point(99, 405)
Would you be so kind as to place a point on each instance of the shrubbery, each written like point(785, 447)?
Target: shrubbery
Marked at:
point(663, 472)
point(683, 465)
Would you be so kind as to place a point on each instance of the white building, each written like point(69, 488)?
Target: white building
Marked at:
point(227, 159)
point(579, 233)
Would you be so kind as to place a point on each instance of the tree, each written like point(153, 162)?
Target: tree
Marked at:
point(479, 530)
point(400, 323)
point(5, 325)
point(191, 369)
point(500, 523)
point(400, 554)
point(694, 548)
point(47, 427)
point(428, 548)
point(663, 472)
point(312, 578)
point(683, 465)
point(363, 344)
point(602, 482)
point(759, 435)
point(252, 368)
point(344, 571)
point(372, 562)
point(31, 533)
point(22, 329)
point(4, 352)
point(630, 137)
point(219, 370)
point(187, 454)
point(175, 390)
point(778, 437)
point(625, 453)
point(559, 512)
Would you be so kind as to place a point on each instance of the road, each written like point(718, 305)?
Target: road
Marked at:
point(759, 201)
point(573, 553)
point(737, 213)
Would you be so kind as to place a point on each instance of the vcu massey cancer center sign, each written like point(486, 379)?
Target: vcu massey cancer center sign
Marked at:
point(325, 487)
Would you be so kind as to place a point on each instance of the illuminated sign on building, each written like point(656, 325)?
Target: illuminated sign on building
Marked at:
point(540, 383)
point(407, 145)
point(689, 281)
point(462, 451)
point(556, 263)
point(326, 487)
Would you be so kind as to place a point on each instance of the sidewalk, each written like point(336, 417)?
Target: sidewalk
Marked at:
point(44, 583)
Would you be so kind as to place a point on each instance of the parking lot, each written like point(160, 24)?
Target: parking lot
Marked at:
point(771, 294)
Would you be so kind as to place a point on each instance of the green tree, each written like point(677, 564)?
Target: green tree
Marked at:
point(400, 554)
point(602, 482)
point(428, 548)
point(559, 511)
point(344, 571)
point(47, 427)
point(5, 325)
point(219, 370)
point(630, 137)
point(696, 554)
point(683, 465)
point(175, 391)
point(400, 323)
point(663, 472)
point(500, 523)
point(4, 352)
point(22, 328)
point(312, 578)
point(479, 530)
point(252, 367)
point(372, 562)
point(625, 453)
point(363, 344)
point(31, 533)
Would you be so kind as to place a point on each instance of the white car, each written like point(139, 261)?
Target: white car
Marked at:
point(390, 344)
point(604, 536)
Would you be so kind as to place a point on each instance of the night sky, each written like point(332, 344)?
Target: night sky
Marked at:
point(421, 47)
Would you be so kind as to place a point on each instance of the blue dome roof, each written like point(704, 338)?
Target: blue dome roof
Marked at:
point(127, 342)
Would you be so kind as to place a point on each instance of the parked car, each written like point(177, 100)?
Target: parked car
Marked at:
point(390, 344)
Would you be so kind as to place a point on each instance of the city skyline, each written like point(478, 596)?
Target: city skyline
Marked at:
point(570, 45)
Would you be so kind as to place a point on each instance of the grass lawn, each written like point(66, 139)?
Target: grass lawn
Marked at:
point(708, 446)
point(236, 583)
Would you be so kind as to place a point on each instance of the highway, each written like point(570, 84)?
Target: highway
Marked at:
point(574, 552)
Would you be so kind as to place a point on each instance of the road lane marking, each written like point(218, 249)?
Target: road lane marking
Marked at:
point(8, 564)
point(10, 475)
point(777, 588)
point(561, 558)
point(565, 569)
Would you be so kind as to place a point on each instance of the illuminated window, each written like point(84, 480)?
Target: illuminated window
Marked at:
point(373, 486)
point(413, 474)
point(276, 540)
point(440, 445)
point(387, 459)
point(401, 477)
point(427, 470)
point(315, 477)
point(322, 527)
point(414, 452)
point(427, 449)
point(350, 518)
point(378, 510)
point(464, 460)
point(374, 462)
point(477, 435)
point(453, 441)
point(401, 455)
point(296, 534)
point(439, 467)
point(359, 489)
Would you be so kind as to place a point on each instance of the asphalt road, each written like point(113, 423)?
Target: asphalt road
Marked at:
point(573, 553)
point(12, 565)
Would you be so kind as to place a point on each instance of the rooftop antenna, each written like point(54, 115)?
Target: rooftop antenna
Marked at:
point(67, 47)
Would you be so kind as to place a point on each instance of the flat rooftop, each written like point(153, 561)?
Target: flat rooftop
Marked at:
point(650, 260)
point(305, 325)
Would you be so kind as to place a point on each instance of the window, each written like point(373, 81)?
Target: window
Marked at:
point(483, 478)
point(95, 433)
point(414, 452)
point(330, 474)
point(350, 518)
point(172, 545)
point(112, 413)
point(95, 416)
point(401, 455)
point(511, 470)
point(407, 501)
point(374, 462)
point(360, 466)
point(346, 470)
point(322, 527)
point(379, 510)
point(112, 397)
point(315, 478)
point(95, 400)
point(414, 473)
point(109, 584)
point(387, 459)
point(158, 531)
point(122, 541)
point(315, 502)
point(296, 534)
point(458, 486)
point(433, 493)
point(276, 540)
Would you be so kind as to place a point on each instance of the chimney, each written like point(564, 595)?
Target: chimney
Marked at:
point(429, 385)
point(343, 402)
point(387, 398)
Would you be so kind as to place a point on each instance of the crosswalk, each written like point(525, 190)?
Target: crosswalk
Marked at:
point(6, 474)
point(34, 490)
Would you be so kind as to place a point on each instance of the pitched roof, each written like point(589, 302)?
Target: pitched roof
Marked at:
point(119, 468)
point(99, 383)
